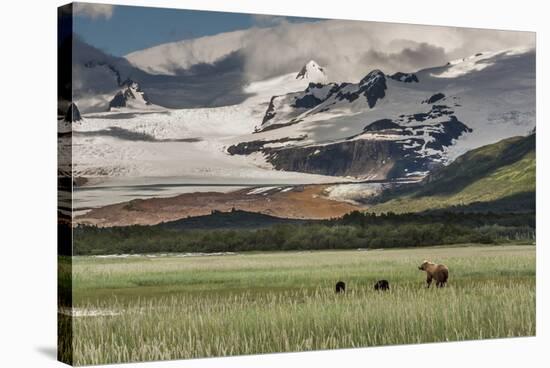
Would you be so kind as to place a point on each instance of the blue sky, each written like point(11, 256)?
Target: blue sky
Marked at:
point(120, 30)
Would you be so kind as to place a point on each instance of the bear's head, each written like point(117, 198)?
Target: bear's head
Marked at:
point(424, 265)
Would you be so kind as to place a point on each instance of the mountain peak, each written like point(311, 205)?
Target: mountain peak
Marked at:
point(130, 95)
point(312, 72)
point(72, 114)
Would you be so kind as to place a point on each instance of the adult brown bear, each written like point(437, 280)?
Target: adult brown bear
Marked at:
point(439, 272)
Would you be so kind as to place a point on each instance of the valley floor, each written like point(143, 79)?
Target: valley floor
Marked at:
point(317, 201)
point(172, 307)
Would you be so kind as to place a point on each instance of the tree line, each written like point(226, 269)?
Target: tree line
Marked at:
point(352, 231)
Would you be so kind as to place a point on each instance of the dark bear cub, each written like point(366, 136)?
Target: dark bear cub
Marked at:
point(340, 287)
point(382, 285)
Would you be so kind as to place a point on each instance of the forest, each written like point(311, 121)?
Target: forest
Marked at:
point(353, 231)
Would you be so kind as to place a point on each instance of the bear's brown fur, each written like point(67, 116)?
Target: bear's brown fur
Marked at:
point(438, 272)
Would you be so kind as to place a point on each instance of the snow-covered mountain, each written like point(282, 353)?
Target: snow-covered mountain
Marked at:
point(313, 73)
point(299, 130)
point(395, 126)
point(130, 96)
point(317, 97)
point(64, 123)
point(72, 114)
point(181, 144)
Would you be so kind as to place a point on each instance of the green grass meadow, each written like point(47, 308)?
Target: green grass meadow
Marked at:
point(143, 308)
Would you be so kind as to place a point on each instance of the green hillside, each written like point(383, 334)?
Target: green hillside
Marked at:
point(496, 177)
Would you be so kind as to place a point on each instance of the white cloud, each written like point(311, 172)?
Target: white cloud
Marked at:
point(348, 49)
point(93, 11)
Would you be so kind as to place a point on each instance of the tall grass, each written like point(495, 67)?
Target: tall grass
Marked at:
point(173, 308)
